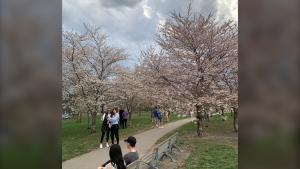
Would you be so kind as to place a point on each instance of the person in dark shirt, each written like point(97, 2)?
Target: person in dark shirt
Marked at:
point(156, 120)
point(105, 127)
point(125, 117)
point(133, 154)
point(121, 117)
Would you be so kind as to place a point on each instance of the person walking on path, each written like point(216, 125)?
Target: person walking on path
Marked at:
point(168, 115)
point(116, 158)
point(125, 117)
point(133, 154)
point(160, 118)
point(115, 127)
point(155, 114)
point(121, 117)
point(105, 127)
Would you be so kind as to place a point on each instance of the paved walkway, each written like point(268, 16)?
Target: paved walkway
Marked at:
point(145, 141)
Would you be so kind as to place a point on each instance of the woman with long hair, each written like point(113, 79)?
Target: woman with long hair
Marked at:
point(105, 127)
point(116, 158)
point(115, 125)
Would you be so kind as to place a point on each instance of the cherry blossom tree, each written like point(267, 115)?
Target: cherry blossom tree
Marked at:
point(129, 90)
point(194, 51)
point(89, 65)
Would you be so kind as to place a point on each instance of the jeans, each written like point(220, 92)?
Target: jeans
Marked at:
point(107, 135)
point(115, 133)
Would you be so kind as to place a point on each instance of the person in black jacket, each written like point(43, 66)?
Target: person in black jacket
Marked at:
point(121, 117)
point(105, 127)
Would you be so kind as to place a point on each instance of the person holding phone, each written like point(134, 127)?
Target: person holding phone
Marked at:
point(115, 126)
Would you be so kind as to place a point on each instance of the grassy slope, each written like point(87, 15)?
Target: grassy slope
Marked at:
point(217, 148)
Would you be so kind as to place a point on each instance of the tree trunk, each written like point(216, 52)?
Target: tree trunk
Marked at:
point(199, 126)
point(235, 119)
point(207, 117)
point(223, 116)
point(88, 119)
point(80, 116)
point(102, 109)
point(151, 116)
point(230, 113)
point(129, 112)
point(222, 112)
point(199, 121)
point(140, 112)
point(76, 116)
point(94, 117)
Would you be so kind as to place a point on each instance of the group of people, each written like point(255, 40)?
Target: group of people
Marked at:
point(158, 117)
point(111, 120)
point(117, 161)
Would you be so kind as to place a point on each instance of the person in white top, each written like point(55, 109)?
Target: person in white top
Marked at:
point(116, 158)
point(106, 125)
point(192, 112)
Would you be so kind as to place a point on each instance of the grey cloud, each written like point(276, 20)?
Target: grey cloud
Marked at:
point(124, 22)
point(120, 3)
point(198, 6)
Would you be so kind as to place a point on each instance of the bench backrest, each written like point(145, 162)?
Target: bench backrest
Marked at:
point(133, 165)
point(161, 148)
point(148, 157)
point(174, 139)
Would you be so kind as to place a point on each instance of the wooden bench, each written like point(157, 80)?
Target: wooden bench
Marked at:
point(161, 150)
point(174, 142)
point(149, 159)
point(134, 165)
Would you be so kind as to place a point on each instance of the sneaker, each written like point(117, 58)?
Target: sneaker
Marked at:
point(162, 127)
point(101, 145)
point(107, 145)
point(156, 126)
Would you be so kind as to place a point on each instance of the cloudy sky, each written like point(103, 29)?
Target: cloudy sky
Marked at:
point(132, 24)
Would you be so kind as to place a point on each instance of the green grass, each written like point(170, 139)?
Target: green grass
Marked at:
point(217, 148)
point(77, 140)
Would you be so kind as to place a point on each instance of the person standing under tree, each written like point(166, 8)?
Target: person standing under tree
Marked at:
point(155, 114)
point(121, 117)
point(192, 112)
point(168, 115)
point(115, 127)
point(105, 127)
point(160, 118)
point(125, 117)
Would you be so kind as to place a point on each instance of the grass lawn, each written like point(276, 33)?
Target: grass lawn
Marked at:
point(77, 140)
point(217, 148)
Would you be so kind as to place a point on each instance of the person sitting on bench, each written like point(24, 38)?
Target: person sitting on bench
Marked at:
point(132, 155)
point(116, 160)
